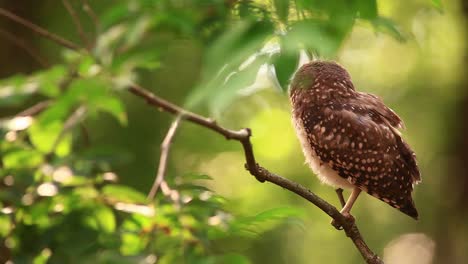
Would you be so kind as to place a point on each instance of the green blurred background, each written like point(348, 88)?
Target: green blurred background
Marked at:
point(413, 55)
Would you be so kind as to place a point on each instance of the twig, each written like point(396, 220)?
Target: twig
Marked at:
point(20, 43)
point(35, 109)
point(243, 136)
point(76, 21)
point(87, 8)
point(261, 173)
point(165, 148)
point(39, 30)
point(74, 119)
point(339, 192)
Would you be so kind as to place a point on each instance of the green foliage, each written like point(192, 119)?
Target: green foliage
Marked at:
point(59, 196)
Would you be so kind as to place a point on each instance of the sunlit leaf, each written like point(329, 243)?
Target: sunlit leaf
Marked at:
point(43, 257)
point(101, 218)
point(21, 158)
point(285, 65)
point(5, 225)
point(282, 9)
point(121, 193)
point(45, 135)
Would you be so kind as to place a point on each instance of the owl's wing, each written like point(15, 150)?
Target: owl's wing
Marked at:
point(383, 114)
point(354, 141)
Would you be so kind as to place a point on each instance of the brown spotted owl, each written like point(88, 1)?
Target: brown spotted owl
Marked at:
point(351, 139)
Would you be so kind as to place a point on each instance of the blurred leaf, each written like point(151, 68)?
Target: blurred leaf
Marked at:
point(21, 158)
point(15, 90)
point(49, 80)
point(285, 64)
point(367, 9)
point(386, 25)
point(43, 257)
point(101, 218)
point(189, 177)
point(319, 36)
point(263, 221)
point(437, 4)
point(282, 9)
point(121, 193)
point(5, 225)
point(228, 68)
point(44, 135)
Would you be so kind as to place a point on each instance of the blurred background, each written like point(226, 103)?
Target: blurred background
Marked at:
point(230, 60)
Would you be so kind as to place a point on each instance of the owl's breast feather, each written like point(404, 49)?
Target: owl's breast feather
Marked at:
point(323, 171)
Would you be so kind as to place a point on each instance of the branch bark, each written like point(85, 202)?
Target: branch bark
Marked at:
point(39, 30)
point(165, 148)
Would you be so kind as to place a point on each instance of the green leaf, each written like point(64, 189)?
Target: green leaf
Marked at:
point(15, 90)
point(387, 26)
point(43, 257)
point(319, 36)
point(114, 107)
point(282, 9)
point(366, 9)
point(49, 80)
point(121, 193)
point(5, 225)
point(21, 158)
point(263, 221)
point(101, 218)
point(94, 93)
point(285, 65)
point(44, 135)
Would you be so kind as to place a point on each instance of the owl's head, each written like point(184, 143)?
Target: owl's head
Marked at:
point(321, 75)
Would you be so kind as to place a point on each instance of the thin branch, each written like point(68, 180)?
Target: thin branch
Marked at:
point(35, 109)
point(39, 30)
point(165, 148)
point(73, 120)
point(243, 136)
point(261, 173)
point(76, 21)
point(87, 8)
point(20, 43)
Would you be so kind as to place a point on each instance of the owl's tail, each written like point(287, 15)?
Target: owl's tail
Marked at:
point(409, 208)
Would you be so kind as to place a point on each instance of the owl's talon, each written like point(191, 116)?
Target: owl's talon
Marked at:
point(349, 218)
point(336, 225)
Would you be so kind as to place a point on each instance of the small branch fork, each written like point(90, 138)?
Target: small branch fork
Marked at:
point(165, 148)
point(242, 135)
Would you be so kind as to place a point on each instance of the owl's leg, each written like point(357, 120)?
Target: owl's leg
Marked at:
point(347, 207)
point(349, 204)
point(339, 192)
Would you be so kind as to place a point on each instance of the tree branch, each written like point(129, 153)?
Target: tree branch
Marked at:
point(262, 174)
point(22, 44)
point(76, 21)
point(39, 30)
point(165, 148)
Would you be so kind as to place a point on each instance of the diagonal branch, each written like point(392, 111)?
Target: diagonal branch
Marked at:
point(87, 8)
point(23, 45)
point(76, 21)
point(39, 30)
point(165, 148)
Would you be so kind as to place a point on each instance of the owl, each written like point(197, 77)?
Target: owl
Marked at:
point(350, 139)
